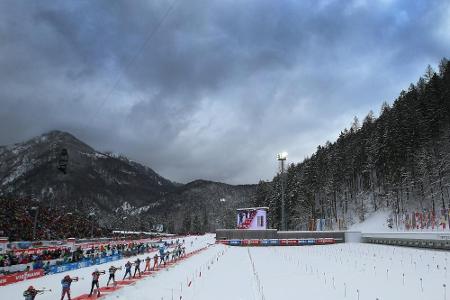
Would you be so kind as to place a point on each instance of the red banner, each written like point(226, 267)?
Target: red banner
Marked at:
point(283, 242)
point(13, 278)
point(36, 250)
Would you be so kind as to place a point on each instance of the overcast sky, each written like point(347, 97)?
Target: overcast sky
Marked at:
point(209, 89)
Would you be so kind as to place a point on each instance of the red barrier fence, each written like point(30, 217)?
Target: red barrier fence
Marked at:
point(278, 242)
point(36, 250)
point(325, 241)
point(89, 245)
point(13, 278)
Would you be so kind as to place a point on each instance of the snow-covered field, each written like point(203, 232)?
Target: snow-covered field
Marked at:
point(343, 271)
point(340, 271)
point(53, 282)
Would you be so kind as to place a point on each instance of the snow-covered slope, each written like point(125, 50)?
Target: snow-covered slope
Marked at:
point(376, 222)
point(94, 180)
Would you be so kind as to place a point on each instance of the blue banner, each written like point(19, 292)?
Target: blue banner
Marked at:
point(274, 242)
point(311, 241)
point(265, 242)
point(235, 242)
point(82, 264)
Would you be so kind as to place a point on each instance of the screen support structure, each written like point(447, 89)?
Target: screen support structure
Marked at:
point(281, 157)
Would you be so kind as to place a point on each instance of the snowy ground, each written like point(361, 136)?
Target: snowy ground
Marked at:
point(315, 272)
point(343, 271)
point(340, 271)
point(376, 222)
point(53, 282)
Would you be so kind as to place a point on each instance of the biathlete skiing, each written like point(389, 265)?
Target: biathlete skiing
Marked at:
point(112, 274)
point(155, 261)
point(65, 284)
point(95, 277)
point(137, 268)
point(166, 259)
point(162, 255)
point(147, 264)
point(127, 270)
point(174, 255)
point(31, 293)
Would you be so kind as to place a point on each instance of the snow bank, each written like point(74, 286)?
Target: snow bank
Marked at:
point(376, 222)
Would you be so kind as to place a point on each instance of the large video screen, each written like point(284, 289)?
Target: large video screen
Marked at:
point(252, 218)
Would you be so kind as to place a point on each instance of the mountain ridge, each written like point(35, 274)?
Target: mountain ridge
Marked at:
point(109, 185)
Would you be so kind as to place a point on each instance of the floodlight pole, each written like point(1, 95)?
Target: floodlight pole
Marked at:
point(282, 158)
point(224, 213)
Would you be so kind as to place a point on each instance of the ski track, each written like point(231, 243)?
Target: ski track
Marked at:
point(313, 272)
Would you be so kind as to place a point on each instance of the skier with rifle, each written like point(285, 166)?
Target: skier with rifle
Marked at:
point(112, 271)
point(166, 259)
point(137, 267)
point(147, 263)
point(31, 293)
point(65, 283)
point(95, 277)
point(127, 270)
point(162, 255)
point(155, 261)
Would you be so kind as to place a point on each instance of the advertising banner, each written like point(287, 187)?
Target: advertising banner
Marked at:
point(235, 242)
point(82, 264)
point(36, 250)
point(13, 278)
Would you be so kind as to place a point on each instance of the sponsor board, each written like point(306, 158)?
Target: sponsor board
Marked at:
point(13, 278)
point(82, 264)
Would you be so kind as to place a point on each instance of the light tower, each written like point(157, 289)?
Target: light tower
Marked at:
point(281, 157)
point(224, 213)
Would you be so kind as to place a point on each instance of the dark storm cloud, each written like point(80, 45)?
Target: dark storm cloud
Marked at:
point(209, 89)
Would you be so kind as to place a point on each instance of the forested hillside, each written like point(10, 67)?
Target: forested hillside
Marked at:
point(111, 189)
point(399, 161)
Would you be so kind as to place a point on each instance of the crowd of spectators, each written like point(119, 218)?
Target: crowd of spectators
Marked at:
point(17, 221)
point(124, 249)
point(64, 255)
point(10, 258)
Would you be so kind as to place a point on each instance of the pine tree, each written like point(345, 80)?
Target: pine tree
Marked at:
point(399, 160)
point(197, 225)
point(205, 225)
point(187, 223)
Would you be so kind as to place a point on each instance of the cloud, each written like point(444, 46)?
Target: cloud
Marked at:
point(208, 89)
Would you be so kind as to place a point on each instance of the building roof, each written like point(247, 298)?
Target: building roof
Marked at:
point(253, 208)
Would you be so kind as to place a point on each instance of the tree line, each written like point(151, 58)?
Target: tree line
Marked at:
point(399, 161)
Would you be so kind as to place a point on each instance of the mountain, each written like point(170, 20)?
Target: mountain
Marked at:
point(398, 162)
point(94, 180)
point(203, 205)
point(122, 193)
